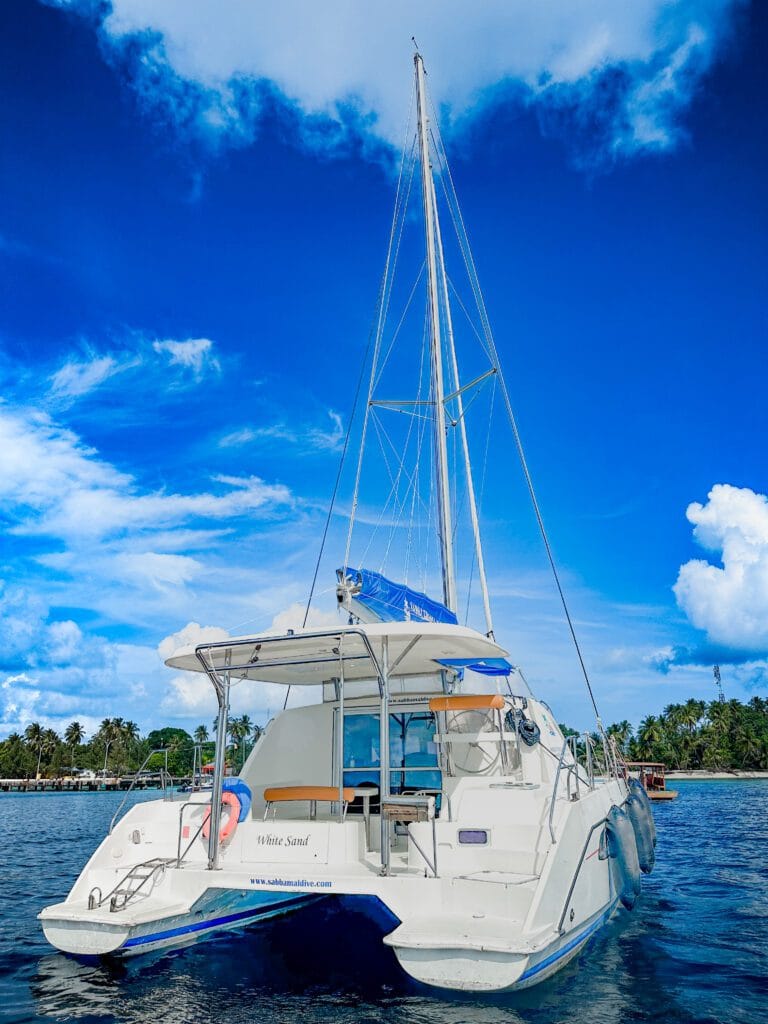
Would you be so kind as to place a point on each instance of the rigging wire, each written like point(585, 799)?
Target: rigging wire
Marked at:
point(411, 477)
point(416, 497)
point(377, 326)
point(382, 314)
point(400, 323)
point(482, 492)
point(335, 491)
point(493, 352)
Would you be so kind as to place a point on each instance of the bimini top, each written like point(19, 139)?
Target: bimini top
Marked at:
point(351, 652)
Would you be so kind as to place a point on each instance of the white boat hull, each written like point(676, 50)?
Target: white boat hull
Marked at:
point(475, 967)
point(78, 933)
point(499, 915)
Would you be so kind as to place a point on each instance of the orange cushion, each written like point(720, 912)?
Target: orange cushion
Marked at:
point(477, 702)
point(280, 794)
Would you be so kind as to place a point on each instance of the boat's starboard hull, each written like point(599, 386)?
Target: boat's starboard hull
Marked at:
point(475, 959)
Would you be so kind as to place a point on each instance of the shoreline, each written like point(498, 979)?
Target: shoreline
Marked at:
point(700, 775)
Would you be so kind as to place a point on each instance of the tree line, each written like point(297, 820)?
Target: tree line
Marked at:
point(117, 747)
point(714, 735)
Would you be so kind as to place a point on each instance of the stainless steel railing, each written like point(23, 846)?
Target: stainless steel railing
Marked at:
point(166, 783)
point(612, 764)
point(123, 892)
point(189, 803)
point(597, 824)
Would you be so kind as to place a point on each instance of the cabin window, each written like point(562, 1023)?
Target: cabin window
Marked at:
point(473, 836)
point(412, 752)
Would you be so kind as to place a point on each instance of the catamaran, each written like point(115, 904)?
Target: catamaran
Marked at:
point(421, 780)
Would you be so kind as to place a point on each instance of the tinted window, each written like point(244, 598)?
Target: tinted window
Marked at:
point(410, 747)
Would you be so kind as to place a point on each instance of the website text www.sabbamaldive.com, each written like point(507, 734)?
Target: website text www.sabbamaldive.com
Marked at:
point(294, 883)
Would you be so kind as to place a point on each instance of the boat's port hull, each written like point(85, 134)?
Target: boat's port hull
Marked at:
point(78, 936)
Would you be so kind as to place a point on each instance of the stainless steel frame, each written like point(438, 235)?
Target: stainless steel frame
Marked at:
point(221, 681)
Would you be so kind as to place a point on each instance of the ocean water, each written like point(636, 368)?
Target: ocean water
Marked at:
point(695, 949)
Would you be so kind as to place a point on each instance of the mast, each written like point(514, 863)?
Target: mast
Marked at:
point(445, 527)
point(463, 428)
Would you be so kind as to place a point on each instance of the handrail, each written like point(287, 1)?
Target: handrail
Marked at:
point(113, 905)
point(573, 770)
point(432, 867)
point(160, 865)
point(597, 824)
point(179, 855)
point(221, 681)
point(165, 777)
point(578, 867)
point(553, 798)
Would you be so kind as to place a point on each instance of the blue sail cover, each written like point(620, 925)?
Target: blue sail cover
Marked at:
point(485, 667)
point(393, 602)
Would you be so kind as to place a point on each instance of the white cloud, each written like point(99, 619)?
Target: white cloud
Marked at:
point(65, 642)
point(33, 640)
point(19, 700)
point(52, 484)
point(652, 104)
point(193, 633)
point(293, 618)
point(195, 354)
point(22, 615)
point(63, 673)
point(237, 438)
point(328, 440)
point(190, 694)
point(161, 571)
point(210, 67)
point(305, 438)
point(123, 554)
point(729, 602)
point(75, 379)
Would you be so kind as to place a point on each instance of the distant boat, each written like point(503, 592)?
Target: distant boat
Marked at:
point(652, 779)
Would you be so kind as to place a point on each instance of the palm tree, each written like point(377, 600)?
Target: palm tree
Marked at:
point(650, 736)
point(50, 741)
point(108, 734)
point(130, 731)
point(718, 748)
point(234, 728)
point(128, 738)
point(73, 737)
point(246, 729)
point(201, 734)
point(622, 733)
point(692, 713)
point(33, 735)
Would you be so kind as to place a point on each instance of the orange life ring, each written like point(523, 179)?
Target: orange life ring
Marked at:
point(227, 797)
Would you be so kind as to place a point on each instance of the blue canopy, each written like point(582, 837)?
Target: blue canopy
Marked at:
point(393, 602)
point(485, 667)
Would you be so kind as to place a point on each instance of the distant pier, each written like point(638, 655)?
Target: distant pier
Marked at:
point(72, 785)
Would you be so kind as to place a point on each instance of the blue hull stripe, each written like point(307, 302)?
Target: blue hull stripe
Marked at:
point(553, 957)
point(215, 922)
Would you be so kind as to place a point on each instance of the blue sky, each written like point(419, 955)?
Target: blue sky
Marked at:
point(194, 217)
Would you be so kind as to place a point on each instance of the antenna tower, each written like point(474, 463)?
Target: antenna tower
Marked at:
point(719, 685)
